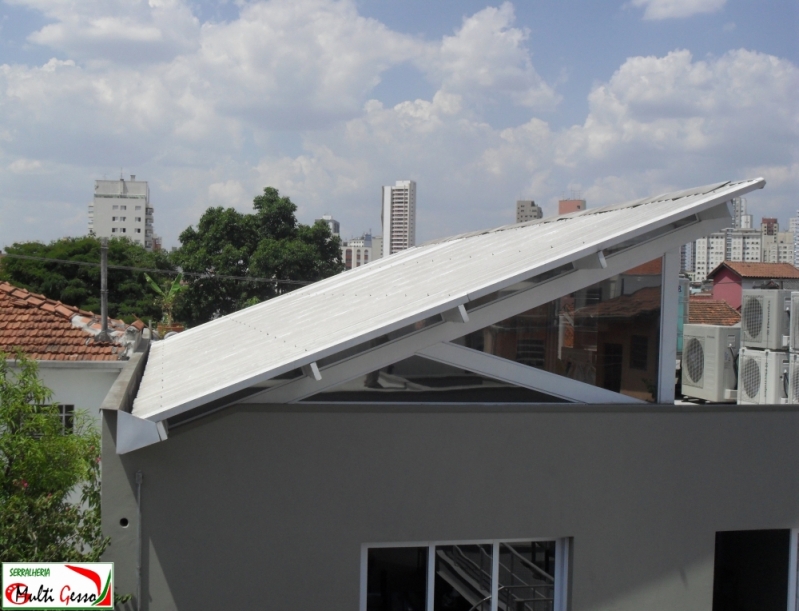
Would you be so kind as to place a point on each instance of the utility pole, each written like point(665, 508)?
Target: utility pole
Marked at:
point(103, 336)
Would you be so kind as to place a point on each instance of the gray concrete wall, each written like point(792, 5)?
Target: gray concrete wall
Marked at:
point(267, 507)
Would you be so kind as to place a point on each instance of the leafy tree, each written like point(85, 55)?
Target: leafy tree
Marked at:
point(168, 295)
point(269, 243)
point(79, 285)
point(40, 464)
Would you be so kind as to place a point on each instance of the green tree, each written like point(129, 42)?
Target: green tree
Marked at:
point(41, 462)
point(168, 295)
point(79, 285)
point(269, 243)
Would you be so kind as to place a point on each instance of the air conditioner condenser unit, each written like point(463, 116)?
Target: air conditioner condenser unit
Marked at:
point(763, 377)
point(793, 378)
point(765, 317)
point(793, 342)
point(708, 362)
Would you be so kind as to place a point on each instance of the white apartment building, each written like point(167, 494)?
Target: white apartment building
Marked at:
point(710, 252)
point(765, 245)
point(399, 216)
point(793, 227)
point(121, 209)
point(744, 245)
point(360, 251)
point(527, 210)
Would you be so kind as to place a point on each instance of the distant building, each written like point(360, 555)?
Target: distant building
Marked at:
point(794, 228)
point(526, 210)
point(334, 225)
point(360, 251)
point(566, 206)
point(399, 216)
point(121, 209)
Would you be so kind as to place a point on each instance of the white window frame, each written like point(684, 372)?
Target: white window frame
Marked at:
point(562, 563)
point(793, 571)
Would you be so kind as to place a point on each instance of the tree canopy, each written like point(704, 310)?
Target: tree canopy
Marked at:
point(41, 462)
point(268, 243)
point(78, 285)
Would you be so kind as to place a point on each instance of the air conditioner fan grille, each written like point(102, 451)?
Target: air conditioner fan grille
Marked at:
point(753, 317)
point(750, 376)
point(695, 361)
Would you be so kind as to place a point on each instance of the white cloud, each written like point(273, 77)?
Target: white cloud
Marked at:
point(122, 31)
point(670, 9)
point(25, 166)
point(487, 59)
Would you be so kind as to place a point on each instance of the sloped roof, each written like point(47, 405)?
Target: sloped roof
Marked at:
point(704, 311)
point(233, 353)
point(758, 270)
point(48, 330)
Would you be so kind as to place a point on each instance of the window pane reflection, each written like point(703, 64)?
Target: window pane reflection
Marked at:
point(606, 335)
point(397, 579)
point(527, 576)
point(463, 578)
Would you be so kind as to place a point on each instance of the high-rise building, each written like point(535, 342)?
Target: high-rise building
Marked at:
point(399, 217)
point(566, 206)
point(526, 210)
point(121, 209)
point(334, 225)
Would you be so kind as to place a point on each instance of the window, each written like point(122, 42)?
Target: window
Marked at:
point(67, 415)
point(588, 335)
point(122, 218)
point(123, 230)
point(443, 576)
point(751, 570)
point(113, 230)
point(114, 207)
point(138, 207)
point(138, 219)
point(639, 349)
point(138, 230)
point(113, 218)
point(123, 207)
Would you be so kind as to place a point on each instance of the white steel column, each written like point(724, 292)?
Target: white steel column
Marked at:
point(431, 577)
point(495, 576)
point(669, 304)
point(522, 375)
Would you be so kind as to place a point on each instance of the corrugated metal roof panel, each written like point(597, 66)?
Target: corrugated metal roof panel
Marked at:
point(260, 342)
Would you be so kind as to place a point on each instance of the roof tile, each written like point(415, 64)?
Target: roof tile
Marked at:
point(758, 270)
point(712, 312)
point(44, 329)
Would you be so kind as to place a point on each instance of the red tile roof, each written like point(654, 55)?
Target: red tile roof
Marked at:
point(712, 312)
point(758, 270)
point(650, 268)
point(643, 301)
point(48, 330)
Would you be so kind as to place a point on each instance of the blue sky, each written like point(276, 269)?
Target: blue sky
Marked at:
point(327, 100)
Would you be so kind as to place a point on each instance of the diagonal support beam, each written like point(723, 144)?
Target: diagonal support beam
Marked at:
point(491, 313)
point(522, 375)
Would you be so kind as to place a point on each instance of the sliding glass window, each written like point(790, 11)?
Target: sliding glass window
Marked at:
point(466, 576)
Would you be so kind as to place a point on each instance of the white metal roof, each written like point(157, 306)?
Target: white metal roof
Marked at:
point(235, 352)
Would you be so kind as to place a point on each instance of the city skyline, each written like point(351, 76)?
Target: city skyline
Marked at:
point(328, 100)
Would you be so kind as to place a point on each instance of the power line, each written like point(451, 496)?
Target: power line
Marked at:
point(159, 271)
